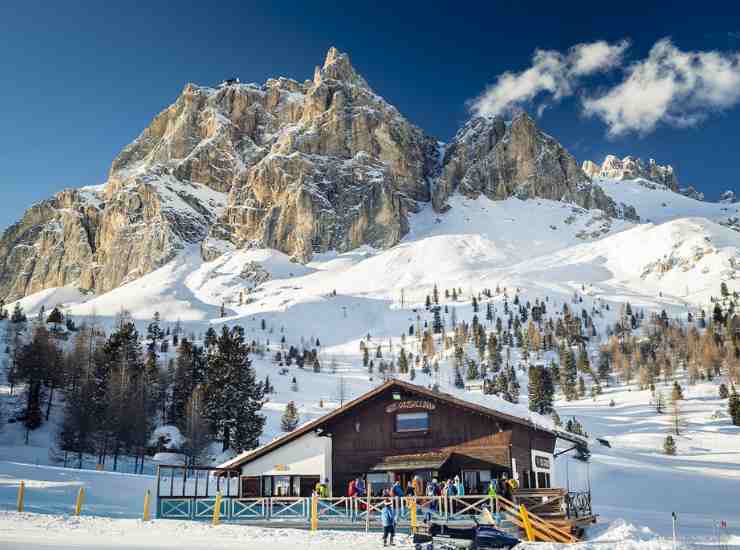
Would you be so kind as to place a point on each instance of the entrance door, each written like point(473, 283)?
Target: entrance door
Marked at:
point(250, 487)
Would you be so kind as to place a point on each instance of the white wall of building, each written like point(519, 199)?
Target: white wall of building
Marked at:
point(309, 455)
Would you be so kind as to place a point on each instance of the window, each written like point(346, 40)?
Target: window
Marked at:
point(281, 486)
point(542, 462)
point(412, 422)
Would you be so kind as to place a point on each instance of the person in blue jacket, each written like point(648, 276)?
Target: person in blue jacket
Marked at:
point(388, 517)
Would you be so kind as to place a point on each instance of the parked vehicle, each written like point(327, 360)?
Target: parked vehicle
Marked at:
point(441, 536)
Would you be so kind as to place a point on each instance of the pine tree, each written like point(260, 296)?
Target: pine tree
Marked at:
point(472, 372)
point(365, 356)
point(18, 315)
point(541, 390)
point(676, 392)
point(154, 331)
point(435, 294)
point(568, 374)
point(733, 407)
point(437, 323)
point(403, 362)
point(724, 393)
point(289, 420)
point(55, 317)
point(659, 402)
point(669, 445)
point(38, 362)
point(604, 368)
point(233, 396)
point(583, 365)
point(581, 388)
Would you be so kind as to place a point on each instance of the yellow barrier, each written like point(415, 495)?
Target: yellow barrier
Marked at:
point(411, 503)
point(79, 501)
point(314, 513)
point(217, 509)
point(147, 498)
point(527, 525)
point(21, 495)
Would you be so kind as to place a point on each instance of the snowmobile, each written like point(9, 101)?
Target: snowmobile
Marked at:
point(441, 536)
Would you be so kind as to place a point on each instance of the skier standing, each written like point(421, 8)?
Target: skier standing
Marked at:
point(388, 518)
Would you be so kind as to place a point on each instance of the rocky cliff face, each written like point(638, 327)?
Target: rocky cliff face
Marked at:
point(498, 159)
point(100, 238)
point(302, 167)
point(630, 168)
point(347, 172)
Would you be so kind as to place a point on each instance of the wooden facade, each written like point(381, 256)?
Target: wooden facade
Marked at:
point(367, 435)
point(402, 430)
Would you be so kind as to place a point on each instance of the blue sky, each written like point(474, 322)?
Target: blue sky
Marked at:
point(81, 79)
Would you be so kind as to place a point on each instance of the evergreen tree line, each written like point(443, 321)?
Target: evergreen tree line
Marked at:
point(117, 389)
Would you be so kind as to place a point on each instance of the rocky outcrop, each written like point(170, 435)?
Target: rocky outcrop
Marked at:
point(498, 159)
point(347, 173)
point(97, 239)
point(728, 197)
point(691, 193)
point(630, 168)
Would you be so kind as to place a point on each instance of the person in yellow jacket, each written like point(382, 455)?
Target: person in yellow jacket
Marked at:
point(322, 489)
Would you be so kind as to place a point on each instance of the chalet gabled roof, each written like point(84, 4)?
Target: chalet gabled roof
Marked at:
point(313, 425)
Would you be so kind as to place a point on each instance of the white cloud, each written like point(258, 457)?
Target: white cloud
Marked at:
point(551, 73)
point(595, 57)
point(669, 86)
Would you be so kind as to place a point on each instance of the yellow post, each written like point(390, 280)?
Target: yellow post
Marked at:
point(147, 497)
point(314, 512)
point(367, 507)
point(411, 502)
point(79, 501)
point(527, 525)
point(217, 510)
point(21, 495)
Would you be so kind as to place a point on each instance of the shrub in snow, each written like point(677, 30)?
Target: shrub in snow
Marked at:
point(669, 445)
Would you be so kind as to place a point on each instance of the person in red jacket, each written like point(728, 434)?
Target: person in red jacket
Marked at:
point(352, 489)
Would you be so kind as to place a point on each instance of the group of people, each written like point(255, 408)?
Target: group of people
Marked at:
point(416, 487)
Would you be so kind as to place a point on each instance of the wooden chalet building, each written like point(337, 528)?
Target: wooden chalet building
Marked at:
point(396, 431)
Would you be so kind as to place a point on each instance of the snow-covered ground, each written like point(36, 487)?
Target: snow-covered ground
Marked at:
point(37, 532)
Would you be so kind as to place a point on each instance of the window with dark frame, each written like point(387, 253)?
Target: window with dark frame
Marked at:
point(412, 422)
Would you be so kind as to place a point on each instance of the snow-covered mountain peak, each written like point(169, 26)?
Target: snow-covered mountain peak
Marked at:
point(630, 168)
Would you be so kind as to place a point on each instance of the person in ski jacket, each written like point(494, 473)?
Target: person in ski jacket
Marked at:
point(492, 488)
point(459, 487)
point(418, 486)
point(388, 518)
point(397, 490)
point(360, 487)
point(352, 489)
point(410, 492)
point(322, 489)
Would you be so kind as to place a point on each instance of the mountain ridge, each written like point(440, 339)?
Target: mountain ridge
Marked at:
point(301, 167)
